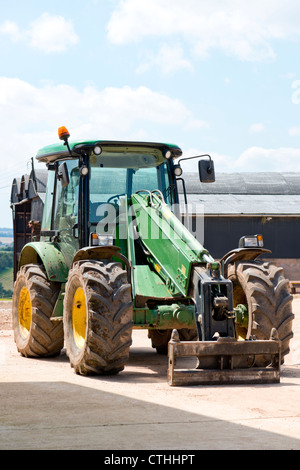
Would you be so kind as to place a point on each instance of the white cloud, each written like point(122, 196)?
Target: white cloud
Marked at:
point(288, 76)
point(294, 131)
point(52, 34)
point(240, 28)
point(266, 159)
point(296, 93)
point(253, 159)
point(10, 29)
point(30, 116)
point(168, 59)
point(257, 127)
point(111, 113)
point(48, 33)
point(222, 163)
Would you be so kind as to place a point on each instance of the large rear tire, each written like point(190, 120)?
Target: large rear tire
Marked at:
point(98, 317)
point(34, 298)
point(160, 338)
point(264, 289)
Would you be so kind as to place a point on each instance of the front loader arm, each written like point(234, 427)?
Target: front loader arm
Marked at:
point(184, 265)
point(172, 249)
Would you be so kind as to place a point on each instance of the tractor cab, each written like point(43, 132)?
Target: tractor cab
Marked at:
point(90, 182)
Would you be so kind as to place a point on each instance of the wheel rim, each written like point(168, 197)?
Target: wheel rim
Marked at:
point(24, 312)
point(239, 297)
point(79, 317)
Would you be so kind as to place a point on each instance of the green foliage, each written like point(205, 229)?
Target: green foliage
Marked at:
point(6, 260)
point(6, 263)
point(5, 293)
point(9, 247)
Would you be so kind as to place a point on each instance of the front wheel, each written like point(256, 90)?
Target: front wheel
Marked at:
point(264, 289)
point(98, 317)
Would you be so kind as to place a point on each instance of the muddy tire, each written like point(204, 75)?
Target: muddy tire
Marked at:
point(161, 338)
point(263, 287)
point(98, 317)
point(34, 298)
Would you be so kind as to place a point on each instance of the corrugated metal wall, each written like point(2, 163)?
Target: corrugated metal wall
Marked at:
point(281, 234)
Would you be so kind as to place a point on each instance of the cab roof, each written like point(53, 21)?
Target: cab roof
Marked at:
point(53, 153)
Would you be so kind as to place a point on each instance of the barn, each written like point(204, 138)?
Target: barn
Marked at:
point(238, 204)
point(27, 202)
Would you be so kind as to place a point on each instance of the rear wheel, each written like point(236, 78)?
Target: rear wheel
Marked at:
point(34, 298)
point(264, 289)
point(161, 338)
point(98, 317)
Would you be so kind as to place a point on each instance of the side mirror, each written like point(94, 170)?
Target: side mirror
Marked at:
point(206, 171)
point(63, 175)
point(205, 167)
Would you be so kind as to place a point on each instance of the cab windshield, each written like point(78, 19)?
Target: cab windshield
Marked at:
point(115, 175)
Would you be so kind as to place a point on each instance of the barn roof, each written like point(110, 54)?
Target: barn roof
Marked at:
point(266, 194)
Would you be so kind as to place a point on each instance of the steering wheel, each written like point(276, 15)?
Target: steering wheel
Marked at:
point(116, 195)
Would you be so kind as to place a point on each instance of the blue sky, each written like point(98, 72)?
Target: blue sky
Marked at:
point(217, 77)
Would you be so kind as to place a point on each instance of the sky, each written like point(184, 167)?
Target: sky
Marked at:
point(216, 77)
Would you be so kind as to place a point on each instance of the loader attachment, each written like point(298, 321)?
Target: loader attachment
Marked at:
point(225, 361)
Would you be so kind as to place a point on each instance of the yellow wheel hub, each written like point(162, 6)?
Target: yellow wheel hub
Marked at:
point(24, 312)
point(79, 317)
point(241, 333)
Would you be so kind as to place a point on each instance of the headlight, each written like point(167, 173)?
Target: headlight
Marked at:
point(84, 170)
point(101, 240)
point(177, 170)
point(251, 241)
point(106, 240)
point(97, 150)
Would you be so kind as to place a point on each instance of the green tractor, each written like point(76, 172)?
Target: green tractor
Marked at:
point(113, 255)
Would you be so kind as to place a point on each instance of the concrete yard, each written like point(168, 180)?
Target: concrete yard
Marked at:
point(45, 405)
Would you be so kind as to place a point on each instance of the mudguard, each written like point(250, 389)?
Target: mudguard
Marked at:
point(241, 254)
point(100, 253)
point(49, 255)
